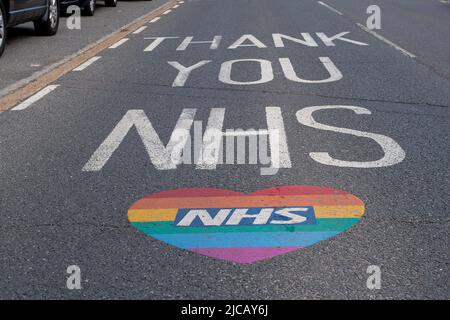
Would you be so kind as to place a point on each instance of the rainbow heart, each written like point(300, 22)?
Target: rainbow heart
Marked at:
point(242, 228)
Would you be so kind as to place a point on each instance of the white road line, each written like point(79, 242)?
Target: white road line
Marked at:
point(181, 2)
point(278, 140)
point(380, 37)
point(330, 8)
point(163, 158)
point(155, 19)
point(376, 35)
point(175, 6)
point(83, 66)
point(167, 12)
point(208, 157)
point(140, 30)
point(35, 97)
point(118, 43)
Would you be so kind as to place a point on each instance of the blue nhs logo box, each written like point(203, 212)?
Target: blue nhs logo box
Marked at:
point(246, 216)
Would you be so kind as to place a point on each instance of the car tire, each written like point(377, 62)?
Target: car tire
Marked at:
point(89, 8)
point(2, 28)
point(48, 24)
point(111, 3)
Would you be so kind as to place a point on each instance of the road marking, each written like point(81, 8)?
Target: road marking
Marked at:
point(376, 35)
point(330, 8)
point(167, 12)
point(278, 141)
point(156, 42)
point(35, 97)
point(140, 30)
point(188, 40)
point(184, 72)
point(246, 133)
point(118, 43)
point(163, 157)
point(265, 67)
point(245, 228)
point(212, 140)
point(393, 153)
point(380, 37)
point(155, 19)
point(25, 88)
point(290, 73)
point(209, 152)
point(86, 64)
point(175, 6)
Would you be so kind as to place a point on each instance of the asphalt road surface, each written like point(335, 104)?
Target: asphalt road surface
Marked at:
point(69, 171)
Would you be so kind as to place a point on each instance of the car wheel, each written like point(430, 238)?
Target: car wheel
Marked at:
point(48, 24)
point(89, 8)
point(2, 28)
point(111, 3)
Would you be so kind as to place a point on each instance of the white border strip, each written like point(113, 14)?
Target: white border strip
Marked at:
point(380, 37)
point(154, 19)
point(139, 30)
point(330, 8)
point(25, 104)
point(118, 43)
point(83, 66)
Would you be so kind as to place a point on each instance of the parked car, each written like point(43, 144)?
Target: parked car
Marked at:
point(87, 6)
point(43, 13)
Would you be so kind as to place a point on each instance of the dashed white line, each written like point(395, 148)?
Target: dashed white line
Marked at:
point(155, 19)
point(35, 97)
point(118, 43)
point(175, 6)
point(330, 8)
point(376, 35)
point(167, 12)
point(140, 30)
point(380, 37)
point(83, 66)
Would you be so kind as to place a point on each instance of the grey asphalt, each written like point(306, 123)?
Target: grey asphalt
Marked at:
point(53, 214)
point(420, 26)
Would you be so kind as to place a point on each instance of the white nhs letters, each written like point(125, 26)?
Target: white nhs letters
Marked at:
point(238, 214)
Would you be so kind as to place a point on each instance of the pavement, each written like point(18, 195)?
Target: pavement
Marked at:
point(56, 212)
point(29, 55)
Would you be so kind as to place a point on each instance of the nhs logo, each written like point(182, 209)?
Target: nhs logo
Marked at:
point(255, 216)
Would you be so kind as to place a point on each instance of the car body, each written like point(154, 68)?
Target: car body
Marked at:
point(87, 6)
point(43, 13)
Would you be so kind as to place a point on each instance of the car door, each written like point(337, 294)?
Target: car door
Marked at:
point(24, 10)
point(27, 5)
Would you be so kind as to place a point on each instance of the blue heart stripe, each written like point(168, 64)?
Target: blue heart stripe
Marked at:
point(245, 239)
point(245, 236)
